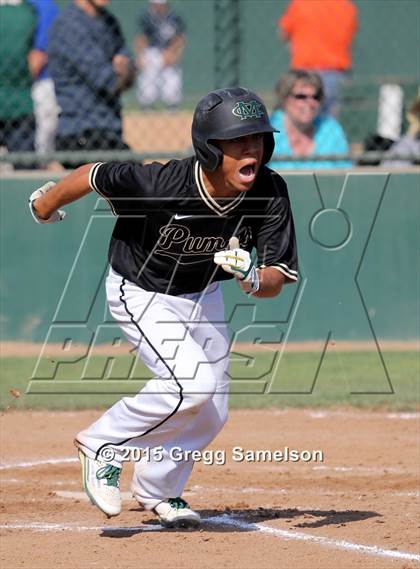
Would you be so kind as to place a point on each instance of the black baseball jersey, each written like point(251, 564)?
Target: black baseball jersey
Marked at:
point(169, 227)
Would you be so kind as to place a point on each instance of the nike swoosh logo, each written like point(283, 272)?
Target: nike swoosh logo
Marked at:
point(177, 216)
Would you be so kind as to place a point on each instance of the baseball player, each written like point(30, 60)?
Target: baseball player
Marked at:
point(181, 228)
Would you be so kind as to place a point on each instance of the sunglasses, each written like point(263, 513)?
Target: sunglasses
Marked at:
point(304, 96)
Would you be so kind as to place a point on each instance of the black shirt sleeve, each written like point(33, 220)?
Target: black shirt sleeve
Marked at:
point(276, 240)
point(128, 187)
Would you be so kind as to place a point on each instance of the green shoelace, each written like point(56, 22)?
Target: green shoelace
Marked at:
point(178, 503)
point(111, 473)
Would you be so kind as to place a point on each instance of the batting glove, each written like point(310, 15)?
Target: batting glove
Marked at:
point(57, 215)
point(238, 262)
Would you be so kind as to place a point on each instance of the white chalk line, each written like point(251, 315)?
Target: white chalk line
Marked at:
point(265, 466)
point(372, 550)
point(326, 414)
point(76, 495)
point(45, 527)
point(300, 491)
point(71, 495)
point(407, 416)
point(63, 460)
point(414, 494)
point(127, 496)
point(325, 541)
point(365, 469)
point(222, 520)
point(361, 470)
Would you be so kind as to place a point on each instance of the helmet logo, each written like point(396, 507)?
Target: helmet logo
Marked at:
point(251, 110)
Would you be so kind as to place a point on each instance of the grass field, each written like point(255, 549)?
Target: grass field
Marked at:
point(300, 379)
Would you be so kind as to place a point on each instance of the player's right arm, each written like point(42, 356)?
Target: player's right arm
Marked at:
point(68, 190)
point(128, 187)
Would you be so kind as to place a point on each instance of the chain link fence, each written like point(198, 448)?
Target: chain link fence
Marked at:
point(79, 84)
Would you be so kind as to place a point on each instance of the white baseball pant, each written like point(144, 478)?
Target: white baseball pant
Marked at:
point(183, 341)
point(158, 82)
point(46, 112)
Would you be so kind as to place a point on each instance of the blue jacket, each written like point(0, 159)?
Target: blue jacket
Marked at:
point(46, 11)
point(329, 138)
point(80, 53)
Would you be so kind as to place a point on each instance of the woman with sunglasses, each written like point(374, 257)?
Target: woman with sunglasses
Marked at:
point(303, 130)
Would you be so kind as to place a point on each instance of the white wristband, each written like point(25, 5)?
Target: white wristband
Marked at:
point(57, 215)
point(251, 284)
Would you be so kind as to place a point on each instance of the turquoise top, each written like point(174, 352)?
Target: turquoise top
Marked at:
point(329, 139)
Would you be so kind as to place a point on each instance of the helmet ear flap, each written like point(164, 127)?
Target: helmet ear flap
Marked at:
point(268, 147)
point(215, 158)
point(208, 154)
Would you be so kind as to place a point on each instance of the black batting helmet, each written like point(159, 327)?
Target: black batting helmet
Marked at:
point(229, 113)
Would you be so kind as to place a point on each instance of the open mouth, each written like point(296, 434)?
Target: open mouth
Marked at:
point(248, 172)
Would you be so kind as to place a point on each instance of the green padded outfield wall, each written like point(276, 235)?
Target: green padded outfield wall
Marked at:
point(358, 243)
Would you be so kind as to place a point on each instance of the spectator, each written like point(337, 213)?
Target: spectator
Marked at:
point(303, 131)
point(409, 144)
point(17, 123)
point(320, 33)
point(159, 49)
point(43, 94)
point(90, 67)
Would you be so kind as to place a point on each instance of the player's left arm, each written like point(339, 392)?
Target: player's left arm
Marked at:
point(263, 282)
point(271, 282)
point(275, 245)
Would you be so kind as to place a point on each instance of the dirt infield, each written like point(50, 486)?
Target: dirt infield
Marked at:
point(158, 131)
point(357, 508)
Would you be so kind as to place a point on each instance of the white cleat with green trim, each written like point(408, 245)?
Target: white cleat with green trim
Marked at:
point(176, 513)
point(101, 482)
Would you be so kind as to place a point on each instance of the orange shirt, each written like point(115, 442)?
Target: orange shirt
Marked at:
point(320, 33)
